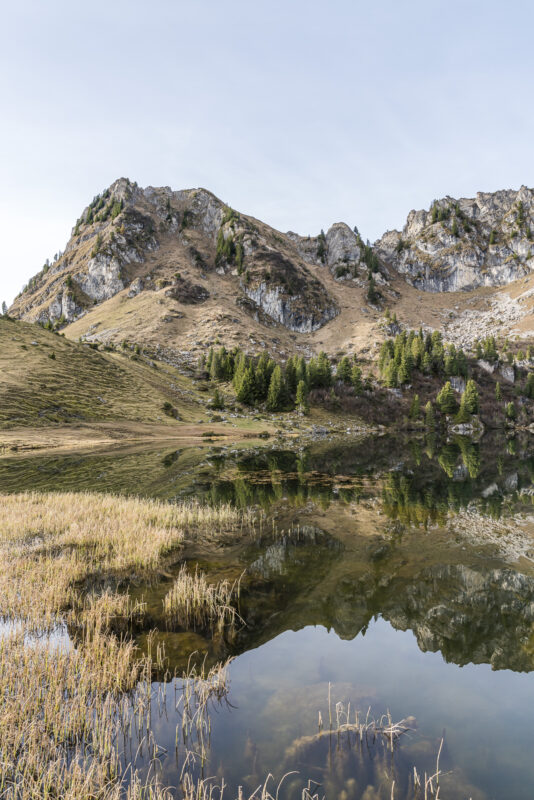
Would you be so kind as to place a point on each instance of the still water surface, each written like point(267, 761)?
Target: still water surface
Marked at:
point(394, 575)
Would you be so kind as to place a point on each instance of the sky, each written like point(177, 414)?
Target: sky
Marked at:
point(301, 113)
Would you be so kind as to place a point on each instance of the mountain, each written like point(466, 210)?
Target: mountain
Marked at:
point(462, 244)
point(180, 271)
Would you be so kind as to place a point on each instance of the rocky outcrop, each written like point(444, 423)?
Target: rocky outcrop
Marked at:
point(187, 292)
point(286, 291)
point(462, 244)
point(292, 312)
point(116, 241)
point(343, 247)
point(340, 249)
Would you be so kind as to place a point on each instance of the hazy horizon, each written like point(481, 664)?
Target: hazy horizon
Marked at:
point(298, 116)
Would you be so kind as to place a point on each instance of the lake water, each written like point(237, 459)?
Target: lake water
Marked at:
point(394, 575)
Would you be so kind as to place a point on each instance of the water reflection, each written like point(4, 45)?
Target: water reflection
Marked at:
point(399, 571)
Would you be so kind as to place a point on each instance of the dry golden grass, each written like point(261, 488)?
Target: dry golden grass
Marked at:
point(193, 602)
point(67, 708)
point(47, 379)
point(50, 543)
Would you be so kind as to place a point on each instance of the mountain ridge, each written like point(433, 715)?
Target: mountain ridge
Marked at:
point(191, 268)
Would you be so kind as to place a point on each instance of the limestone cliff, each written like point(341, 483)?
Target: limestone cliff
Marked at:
point(139, 240)
point(466, 243)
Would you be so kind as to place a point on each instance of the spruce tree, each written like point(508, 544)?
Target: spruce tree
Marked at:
point(215, 367)
point(301, 370)
point(510, 411)
point(262, 377)
point(498, 392)
point(240, 365)
point(529, 386)
point(291, 375)
point(246, 388)
point(301, 400)
point(446, 399)
point(461, 361)
point(217, 401)
point(404, 372)
point(275, 395)
point(471, 398)
point(430, 418)
point(426, 364)
point(343, 372)
point(463, 414)
point(390, 375)
point(356, 379)
point(372, 294)
point(415, 408)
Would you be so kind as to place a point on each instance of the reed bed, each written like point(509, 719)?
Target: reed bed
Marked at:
point(50, 543)
point(193, 602)
point(70, 713)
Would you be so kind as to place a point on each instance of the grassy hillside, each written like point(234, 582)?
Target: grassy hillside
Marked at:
point(46, 379)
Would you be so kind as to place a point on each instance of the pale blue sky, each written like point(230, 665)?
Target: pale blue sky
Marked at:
point(301, 113)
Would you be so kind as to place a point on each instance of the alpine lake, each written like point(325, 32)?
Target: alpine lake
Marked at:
point(386, 613)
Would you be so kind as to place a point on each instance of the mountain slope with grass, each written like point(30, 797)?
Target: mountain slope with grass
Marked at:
point(47, 379)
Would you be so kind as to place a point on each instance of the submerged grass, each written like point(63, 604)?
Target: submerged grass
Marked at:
point(77, 712)
point(51, 543)
point(70, 712)
point(193, 602)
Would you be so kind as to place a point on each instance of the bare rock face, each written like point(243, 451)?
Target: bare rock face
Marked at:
point(290, 311)
point(116, 243)
point(342, 246)
point(286, 292)
point(187, 292)
point(340, 249)
point(462, 244)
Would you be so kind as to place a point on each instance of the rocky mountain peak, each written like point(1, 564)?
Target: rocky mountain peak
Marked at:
point(139, 239)
point(487, 240)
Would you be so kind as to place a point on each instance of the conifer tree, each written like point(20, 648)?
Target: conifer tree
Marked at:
point(529, 385)
point(430, 418)
point(426, 364)
point(291, 375)
point(301, 371)
point(510, 411)
point(262, 377)
point(390, 375)
point(415, 408)
point(343, 371)
point(301, 399)
point(240, 365)
point(461, 362)
point(356, 379)
point(320, 371)
point(217, 401)
point(446, 399)
point(498, 392)
point(470, 398)
point(246, 388)
point(404, 372)
point(463, 414)
point(275, 395)
point(372, 294)
point(215, 367)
